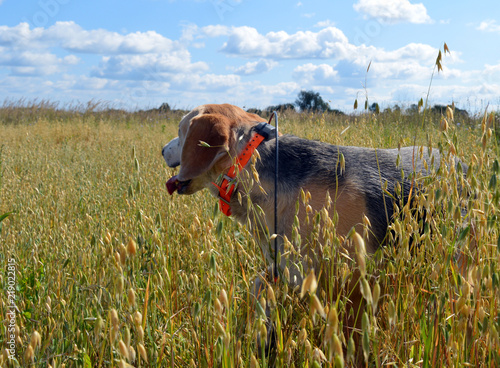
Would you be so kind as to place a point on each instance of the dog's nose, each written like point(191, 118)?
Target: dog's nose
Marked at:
point(163, 152)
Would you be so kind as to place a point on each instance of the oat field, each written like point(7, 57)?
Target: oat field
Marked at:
point(100, 267)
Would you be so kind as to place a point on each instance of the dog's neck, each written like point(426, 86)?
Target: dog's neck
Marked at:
point(229, 181)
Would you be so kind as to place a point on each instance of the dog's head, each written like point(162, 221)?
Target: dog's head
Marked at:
point(205, 146)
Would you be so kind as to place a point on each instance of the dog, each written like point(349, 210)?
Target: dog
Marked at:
point(360, 183)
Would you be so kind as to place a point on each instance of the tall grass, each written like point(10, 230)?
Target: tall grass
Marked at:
point(113, 272)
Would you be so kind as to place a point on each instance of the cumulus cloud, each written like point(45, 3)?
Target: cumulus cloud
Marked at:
point(413, 60)
point(206, 82)
point(84, 83)
point(490, 75)
point(280, 89)
point(393, 11)
point(327, 43)
point(73, 38)
point(489, 25)
point(324, 24)
point(215, 30)
point(147, 66)
point(27, 58)
point(461, 92)
point(418, 51)
point(133, 67)
point(71, 60)
point(17, 85)
point(256, 67)
point(248, 42)
point(397, 70)
point(311, 74)
point(27, 62)
point(132, 56)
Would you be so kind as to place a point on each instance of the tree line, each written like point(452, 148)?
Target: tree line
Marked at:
point(311, 101)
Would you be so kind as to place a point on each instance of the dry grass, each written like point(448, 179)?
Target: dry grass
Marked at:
point(112, 272)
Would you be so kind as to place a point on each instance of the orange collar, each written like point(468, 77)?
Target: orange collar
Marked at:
point(228, 184)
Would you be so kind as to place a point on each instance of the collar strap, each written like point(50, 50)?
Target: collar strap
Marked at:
point(228, 184)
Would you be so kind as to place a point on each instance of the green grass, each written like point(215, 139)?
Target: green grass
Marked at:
point(111, 270)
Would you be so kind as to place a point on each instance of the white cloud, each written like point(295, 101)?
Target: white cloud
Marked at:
point(256, 67)
point(134, 68)
point(17, 85)
point(71, 37)
point(464, 93)
point(310, 74)
point(417, 51)
point(147, 66)
point(189, 32)
point(280, 89)
point(489, 25)
point(492, 69)
point(27, 58)
point(26, 62)
point(216, 31)
point(83, 83)
point(74, 38)
point(327, 43)
point(71, 60)
point(325, 24)
point(398, 70)
point(393, 11)
point(413, 60)
point(133, 56)
point(206, 82)
point(490, 74)
point(248, 42)
point(33, 71)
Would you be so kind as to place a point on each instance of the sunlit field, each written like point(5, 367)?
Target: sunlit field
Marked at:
point(100, 267)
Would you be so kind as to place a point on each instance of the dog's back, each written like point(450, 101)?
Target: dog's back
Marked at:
point(363, 175)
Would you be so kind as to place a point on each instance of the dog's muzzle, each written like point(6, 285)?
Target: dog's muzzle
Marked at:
point(172, 156)
point(171, 153)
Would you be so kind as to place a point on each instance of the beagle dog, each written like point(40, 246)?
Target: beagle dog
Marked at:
point(355, 185)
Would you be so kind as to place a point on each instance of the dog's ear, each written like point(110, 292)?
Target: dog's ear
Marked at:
point(206, 143)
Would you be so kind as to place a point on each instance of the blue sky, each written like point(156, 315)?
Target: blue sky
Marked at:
point(139, 54)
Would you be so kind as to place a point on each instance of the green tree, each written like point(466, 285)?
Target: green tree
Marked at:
point(311, 101)
point(165, 107)
point(281, 107)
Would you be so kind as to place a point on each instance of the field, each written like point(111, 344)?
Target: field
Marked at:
point(100, 267)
